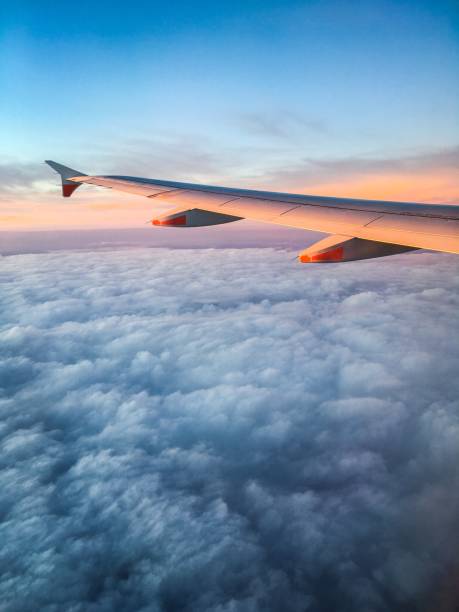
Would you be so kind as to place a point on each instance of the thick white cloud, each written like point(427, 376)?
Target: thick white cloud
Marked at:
point(228, 430)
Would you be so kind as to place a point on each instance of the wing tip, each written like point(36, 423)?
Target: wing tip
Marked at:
point(65, 171)
point(68, 184)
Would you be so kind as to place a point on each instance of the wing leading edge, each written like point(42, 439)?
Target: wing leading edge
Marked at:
point(377, 227)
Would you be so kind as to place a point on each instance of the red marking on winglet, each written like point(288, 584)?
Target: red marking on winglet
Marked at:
point(68, 189)
point(328, 256)
point(172, 221)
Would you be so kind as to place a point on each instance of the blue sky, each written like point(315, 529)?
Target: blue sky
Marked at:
point(375, 75)
point(233, 92)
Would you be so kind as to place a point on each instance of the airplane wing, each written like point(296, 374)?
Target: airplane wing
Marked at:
point(360, 229)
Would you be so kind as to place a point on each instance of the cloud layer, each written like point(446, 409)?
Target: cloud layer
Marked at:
point(226, 430)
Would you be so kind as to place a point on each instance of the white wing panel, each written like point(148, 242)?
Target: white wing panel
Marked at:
point(254, 208)
point(322, 219)
point(420, 232)
point(423, 225)
point(129, 186)
point(192, 199)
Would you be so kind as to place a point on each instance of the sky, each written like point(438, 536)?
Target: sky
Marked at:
point(261, 437)
point(208, 426)
point(334, 97)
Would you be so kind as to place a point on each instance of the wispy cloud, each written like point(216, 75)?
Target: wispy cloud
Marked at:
point(427, 175)
point(281, 125)
point(16, 175)
point(444, 159)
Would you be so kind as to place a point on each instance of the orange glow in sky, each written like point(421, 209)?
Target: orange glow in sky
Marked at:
point(432, 187)
point(94, 208)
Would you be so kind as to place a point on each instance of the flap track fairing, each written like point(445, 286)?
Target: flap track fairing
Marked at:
point(334, 249)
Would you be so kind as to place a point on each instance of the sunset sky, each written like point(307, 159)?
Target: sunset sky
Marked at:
point(339, 98)
point(190, 420)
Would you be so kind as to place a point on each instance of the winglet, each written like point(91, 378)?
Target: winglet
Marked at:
point(67, 176)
